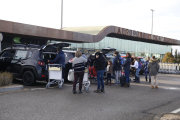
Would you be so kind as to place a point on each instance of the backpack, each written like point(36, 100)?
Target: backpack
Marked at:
point(139, 65)
point(119, 62)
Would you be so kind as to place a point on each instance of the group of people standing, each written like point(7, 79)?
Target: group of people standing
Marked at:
point(113, 67)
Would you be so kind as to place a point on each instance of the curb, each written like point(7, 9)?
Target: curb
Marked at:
point(11, 88)
point(158, 116)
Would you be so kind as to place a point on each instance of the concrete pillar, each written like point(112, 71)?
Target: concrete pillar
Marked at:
point(1, 38)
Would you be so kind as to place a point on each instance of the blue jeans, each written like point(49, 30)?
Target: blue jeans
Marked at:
point(127, 76)
point(137, 71)
point(100, 82)
point(147, 74)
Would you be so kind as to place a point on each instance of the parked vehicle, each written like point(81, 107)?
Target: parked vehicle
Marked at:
point(29, 62)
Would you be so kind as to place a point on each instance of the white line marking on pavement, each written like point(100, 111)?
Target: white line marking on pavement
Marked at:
point(51, 87)
point(176, 111)
point(67, 85)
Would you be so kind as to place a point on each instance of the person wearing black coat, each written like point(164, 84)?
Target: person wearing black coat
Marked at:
point(127, 68)
point(100, 65)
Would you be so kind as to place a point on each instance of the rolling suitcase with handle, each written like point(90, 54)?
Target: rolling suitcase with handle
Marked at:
point(122, 79)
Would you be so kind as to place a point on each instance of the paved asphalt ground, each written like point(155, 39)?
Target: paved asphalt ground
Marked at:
point(139, 102)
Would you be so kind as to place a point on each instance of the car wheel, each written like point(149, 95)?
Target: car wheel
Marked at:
point(28, 78)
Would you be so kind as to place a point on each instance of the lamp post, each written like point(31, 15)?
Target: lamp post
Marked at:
point(152, 24)
point(61, 14)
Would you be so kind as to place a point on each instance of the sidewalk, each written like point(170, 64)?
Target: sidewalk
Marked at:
point(167, 116)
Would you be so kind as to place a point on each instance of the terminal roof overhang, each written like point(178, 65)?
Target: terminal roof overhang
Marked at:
point(81, 34)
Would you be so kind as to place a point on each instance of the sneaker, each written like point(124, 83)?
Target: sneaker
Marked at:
point(102, 90)
point(74, 92)
point(152, 87)
point(97, 91)
point(80, 92)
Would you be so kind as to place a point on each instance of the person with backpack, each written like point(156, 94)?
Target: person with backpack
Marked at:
point(117, 63)
point(138, 67)
point(100, 65)
point(146, 70)
point(126, 65)
point(153, 68)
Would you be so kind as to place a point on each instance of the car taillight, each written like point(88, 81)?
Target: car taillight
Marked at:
point(71, 60)
point(41, 63)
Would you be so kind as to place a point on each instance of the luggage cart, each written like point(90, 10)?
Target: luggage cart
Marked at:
point(86, 81)
point(55, 72)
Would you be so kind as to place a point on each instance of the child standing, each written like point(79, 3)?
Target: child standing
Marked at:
point(109, 72)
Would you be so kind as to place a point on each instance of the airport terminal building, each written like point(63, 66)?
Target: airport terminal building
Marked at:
point(136, 48)
point(88, 38)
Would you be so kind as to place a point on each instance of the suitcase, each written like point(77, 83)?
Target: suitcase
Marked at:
point(122, 80)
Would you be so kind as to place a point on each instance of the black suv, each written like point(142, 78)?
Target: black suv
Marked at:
point(29, 62)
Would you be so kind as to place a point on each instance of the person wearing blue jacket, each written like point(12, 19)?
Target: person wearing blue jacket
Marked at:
point(146, 69)
point(126, 65)
point(60, 58)
point(117, 68)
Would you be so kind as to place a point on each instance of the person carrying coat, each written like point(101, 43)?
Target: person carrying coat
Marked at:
point(146, 70)
point(126, 65)
point(137, 67)
point(153, 68)
point(78, 65)
point(100, 65)
point(117, 67)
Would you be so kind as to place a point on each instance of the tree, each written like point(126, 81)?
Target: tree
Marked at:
point(171, 51)
point(169, 58)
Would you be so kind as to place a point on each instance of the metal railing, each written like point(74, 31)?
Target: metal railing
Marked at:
point(169, 68)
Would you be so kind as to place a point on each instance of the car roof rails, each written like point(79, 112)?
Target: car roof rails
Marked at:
point(33, 46)
point(90, 50)
point(20, 45)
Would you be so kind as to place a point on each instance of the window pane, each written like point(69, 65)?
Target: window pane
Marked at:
point(8, 54)
point(30, 54)
point(21, 54)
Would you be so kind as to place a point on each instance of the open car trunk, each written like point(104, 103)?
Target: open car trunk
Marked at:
point(49, 52)
point(108, 50)
point(53, 47)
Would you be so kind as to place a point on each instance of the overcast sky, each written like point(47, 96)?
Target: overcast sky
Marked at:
point(131, 14)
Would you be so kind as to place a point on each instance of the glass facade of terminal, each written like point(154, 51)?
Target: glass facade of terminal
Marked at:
point(136, 48)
